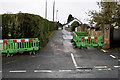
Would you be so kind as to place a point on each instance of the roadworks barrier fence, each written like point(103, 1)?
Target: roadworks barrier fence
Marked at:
point(82, 39)
point(10, 46)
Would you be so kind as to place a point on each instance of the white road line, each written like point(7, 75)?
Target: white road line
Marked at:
point(43, 71)
point(116, 66)
point(18, 71)
point(73, 59)
point(100, 67)
point(65, 70)
point(0, 71)
point(105, 69)
point(118, 59)
point(79, 70)
point(87, 69)
point(113, 56)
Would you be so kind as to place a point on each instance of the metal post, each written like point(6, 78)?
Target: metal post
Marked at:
point(56, 15)
point(53, 10)
point(46, 10)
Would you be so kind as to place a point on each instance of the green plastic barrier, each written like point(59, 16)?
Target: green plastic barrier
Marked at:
point(81, 39)
point(3, 46)
point(79, 35)
point(19, 45)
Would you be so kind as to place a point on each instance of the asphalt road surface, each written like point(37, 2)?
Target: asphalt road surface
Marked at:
point(59, 59)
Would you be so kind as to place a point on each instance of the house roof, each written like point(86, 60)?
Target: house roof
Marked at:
point(75, 19)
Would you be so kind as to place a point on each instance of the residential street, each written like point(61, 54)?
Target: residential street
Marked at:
point(59, 59)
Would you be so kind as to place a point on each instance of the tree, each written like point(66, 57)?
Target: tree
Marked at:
point(74, 25)
point(118, 15)
point(106, 15)
point(70, 18)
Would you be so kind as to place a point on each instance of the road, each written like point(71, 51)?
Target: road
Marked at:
point(60, 60)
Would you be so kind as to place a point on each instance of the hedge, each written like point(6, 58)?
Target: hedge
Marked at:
point(24, 25)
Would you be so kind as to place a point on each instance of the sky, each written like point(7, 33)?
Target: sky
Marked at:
point(77, 8)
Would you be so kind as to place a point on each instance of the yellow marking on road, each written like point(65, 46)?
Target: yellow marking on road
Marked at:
point(105, 50)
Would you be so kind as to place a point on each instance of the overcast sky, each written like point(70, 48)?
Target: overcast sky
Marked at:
point(65, 7)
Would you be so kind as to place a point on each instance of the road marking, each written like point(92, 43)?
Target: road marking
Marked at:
point(113, 56)
point(105, 69)
point(87, 69)
point(118, 59)
point(58, 49)
point(100, 67)
point(84, 70)
point(73, 59)
point(43, 71)
point(79, 70)
point(0, 71)
point(9, 62)
point(103, 50)
point(116, 66)
point(18, 71)
point(65, 70)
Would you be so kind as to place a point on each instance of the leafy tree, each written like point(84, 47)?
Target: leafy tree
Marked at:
point(118, 15)
point(70, 18)
point(74, 25)
point(106, 14)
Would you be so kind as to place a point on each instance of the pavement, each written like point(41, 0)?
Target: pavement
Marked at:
point(59, 59)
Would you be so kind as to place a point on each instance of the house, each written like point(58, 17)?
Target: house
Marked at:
point(69, 23)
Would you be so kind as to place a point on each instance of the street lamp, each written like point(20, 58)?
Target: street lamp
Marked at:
point(56, 15)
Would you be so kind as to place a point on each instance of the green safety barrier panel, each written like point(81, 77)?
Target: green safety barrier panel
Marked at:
point(18, 45)
point(3, 46)
point(82, 39)
point(79, 35)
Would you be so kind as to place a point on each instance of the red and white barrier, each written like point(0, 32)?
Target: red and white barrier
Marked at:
point(89, 37)
point(74, 34)
point(23, 40)
point(3, 41)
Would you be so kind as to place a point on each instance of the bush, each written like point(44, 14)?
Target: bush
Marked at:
point(74, 25)
point(24, 25)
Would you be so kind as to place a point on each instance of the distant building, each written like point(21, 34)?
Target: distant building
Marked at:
point(69, 24)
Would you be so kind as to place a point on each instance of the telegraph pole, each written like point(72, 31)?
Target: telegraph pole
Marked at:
point(56, 15)
point(53, 10)
point(46, 10)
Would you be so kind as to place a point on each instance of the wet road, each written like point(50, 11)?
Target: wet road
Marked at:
point(60, 60)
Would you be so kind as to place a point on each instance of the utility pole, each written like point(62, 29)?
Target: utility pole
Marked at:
point(56, 15)
point(46, 10)
point(53, 10)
